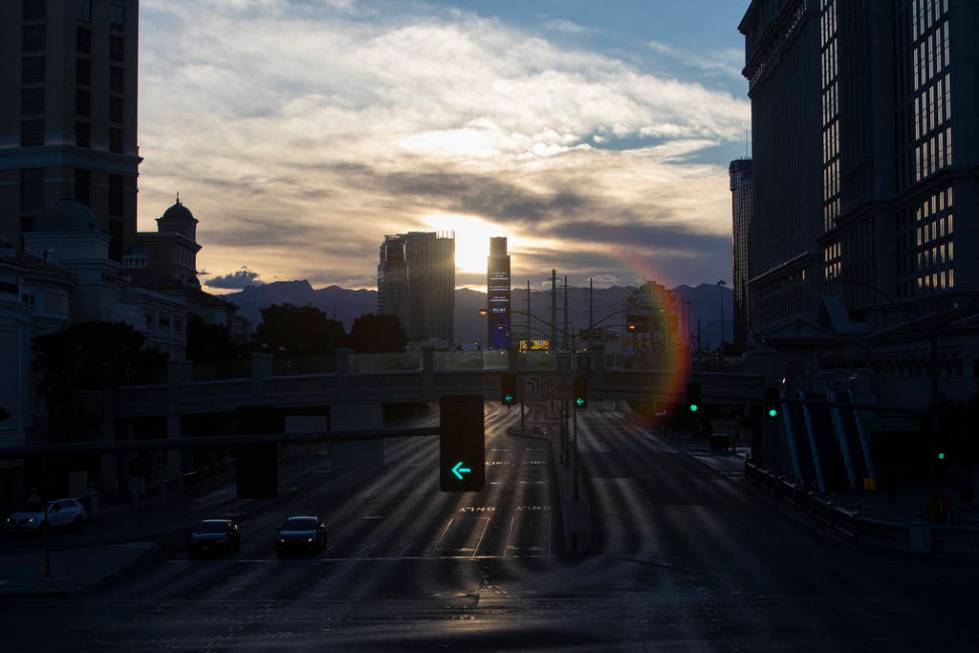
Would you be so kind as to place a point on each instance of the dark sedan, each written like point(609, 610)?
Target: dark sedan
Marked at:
point(214, 536)
point(300, 534)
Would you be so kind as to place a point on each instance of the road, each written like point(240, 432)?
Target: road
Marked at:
point(683, 559)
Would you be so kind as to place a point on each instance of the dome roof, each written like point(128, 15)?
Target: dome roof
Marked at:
point(178, 213)
point(69, 215)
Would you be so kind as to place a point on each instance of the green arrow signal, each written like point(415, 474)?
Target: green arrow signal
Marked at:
point(580, 401)
point(459, 470)
point(508, 397)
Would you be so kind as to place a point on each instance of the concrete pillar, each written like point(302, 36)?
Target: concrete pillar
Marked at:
point(357, 417)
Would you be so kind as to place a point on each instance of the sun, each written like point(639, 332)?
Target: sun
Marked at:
point(472, 236)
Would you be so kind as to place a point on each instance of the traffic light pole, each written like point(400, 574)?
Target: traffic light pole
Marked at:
point(574, 469)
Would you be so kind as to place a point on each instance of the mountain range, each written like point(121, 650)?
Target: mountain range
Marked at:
point(345, 305)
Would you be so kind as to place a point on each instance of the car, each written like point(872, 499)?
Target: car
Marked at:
point(61, 513)
point(301, 533)
point(214, 536)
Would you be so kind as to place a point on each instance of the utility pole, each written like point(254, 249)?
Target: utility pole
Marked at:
point(591, 306)
point(567, 341)
point(553, 305)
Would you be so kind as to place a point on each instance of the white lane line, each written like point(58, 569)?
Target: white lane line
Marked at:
point(481, 535)
point(372, 517)
point(509, 534)
point(438, 542)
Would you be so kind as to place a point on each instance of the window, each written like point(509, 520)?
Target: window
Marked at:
point(115, 140)
point(117, 14)
point(116, 109)
point(117, 82)
point(83, 186)
point(83, 72)
point(31, 133)
point(35, 9)
point(31, 189)
point(83, 103)
point(83, 40)
point(115, 195)
point(32, 70)
point(33, 38)
point(115, 240)
point(83, 10)
point(31, 101)
point(83, 134)
point(117, 48)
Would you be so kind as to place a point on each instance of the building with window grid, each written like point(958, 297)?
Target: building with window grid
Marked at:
point(68, 123)
point(896, 94)
point(741, 210)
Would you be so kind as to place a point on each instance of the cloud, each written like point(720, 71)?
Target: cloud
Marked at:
point(564, 25)
point(363, 123)
point(243, 278)
point(727, 61)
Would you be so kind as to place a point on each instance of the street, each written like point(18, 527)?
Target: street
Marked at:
point(683, 558)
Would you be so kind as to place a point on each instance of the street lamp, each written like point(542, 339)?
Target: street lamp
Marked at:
point(721, 285)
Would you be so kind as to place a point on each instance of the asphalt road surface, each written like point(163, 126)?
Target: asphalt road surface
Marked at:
point(683, 559)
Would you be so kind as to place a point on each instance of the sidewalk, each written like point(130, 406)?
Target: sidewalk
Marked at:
point(71, 570)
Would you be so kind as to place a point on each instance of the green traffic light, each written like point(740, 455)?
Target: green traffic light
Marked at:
point(772, 412)
point(508, 397)
point(580, 401)
point(941, 455)
point(694, 408)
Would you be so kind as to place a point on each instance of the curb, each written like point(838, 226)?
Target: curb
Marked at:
point(150, 551)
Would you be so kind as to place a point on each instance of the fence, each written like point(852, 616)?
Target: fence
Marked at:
point(916, 536)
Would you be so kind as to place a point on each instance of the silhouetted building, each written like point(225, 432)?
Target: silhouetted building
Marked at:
point(498, 294)
point(416, 283)
point(741, 211)
point(782, 67)
point(865, 153)
point(392, 280)
point(68, 123)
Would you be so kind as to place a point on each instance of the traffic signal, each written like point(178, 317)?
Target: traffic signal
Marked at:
point(462, 446)
point(773, 402)
point(580, 396)
point(694, 399)
point(508, 388)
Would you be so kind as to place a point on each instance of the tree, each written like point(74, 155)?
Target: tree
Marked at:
point(377, 334)
point(211, 343)
point(90, 356)
point(289, 331)
point(87, 356)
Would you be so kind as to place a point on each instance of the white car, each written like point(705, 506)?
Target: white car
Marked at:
point(61, 513)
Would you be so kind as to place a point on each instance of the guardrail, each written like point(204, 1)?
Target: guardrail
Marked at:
point(914, 536)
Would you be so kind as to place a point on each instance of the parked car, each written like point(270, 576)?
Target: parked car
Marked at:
point(214, 536)
point(62, 513)
point(301, 533)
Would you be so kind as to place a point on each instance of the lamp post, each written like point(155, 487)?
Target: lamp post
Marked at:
point(721, 285)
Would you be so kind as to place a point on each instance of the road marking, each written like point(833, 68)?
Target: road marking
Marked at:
point(481, 536)
point(534, 508)
point(508, 536)
point(478, 509)
point(373, 517)
point(444, 531)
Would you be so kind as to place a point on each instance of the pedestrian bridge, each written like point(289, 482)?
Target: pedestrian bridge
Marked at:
point(422, 376)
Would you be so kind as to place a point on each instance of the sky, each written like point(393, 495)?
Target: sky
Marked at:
point(594, 135)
